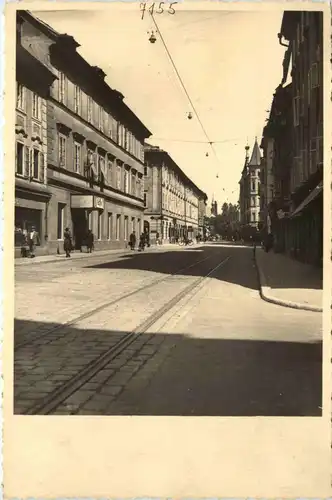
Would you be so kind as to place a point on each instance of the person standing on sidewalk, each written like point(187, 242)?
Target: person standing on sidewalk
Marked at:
point(33, 241)
point(132, 240)
point(67, 242)
point(142, 242)
point(90, 241)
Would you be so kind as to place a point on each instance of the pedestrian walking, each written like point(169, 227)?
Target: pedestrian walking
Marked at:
point(33, 241)
point(67, 242)
point(142, 242)
point(132, 240)
point(90, 241)
point(157, 239)
point(147, 239)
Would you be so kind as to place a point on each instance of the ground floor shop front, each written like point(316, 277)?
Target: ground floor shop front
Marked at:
point(31, 209)
point(110, 221)
point(169, 230)
point(300, 234)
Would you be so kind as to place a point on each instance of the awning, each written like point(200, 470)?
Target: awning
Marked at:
point(313, 195)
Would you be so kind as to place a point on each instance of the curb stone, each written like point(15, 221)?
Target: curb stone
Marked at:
point(24, 262)
point(265, 293)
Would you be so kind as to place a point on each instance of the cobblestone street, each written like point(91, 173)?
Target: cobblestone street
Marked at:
point(170, 332)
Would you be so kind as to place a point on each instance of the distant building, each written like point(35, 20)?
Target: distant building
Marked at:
point(250, 188)
point(95, 146)
point(173, 203)
point(214, 208)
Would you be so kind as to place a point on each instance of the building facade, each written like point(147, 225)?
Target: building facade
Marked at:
point(32, 195)
point(173, 202)
point(299, 172)
point(95, 147)
point(275, 178)
point(249, 201)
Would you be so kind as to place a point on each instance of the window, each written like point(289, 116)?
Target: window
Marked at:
point(126, 228)
point(19, 158)
point(77, 157)
point(77, 100)
point(145, 199)
point(62, 151)
point(118, 178)
point(109, 226)
point(100, 225)
point(126, 181)
point(314, 76)
point(109, 171)
point(35, 106)
point(253, 185)
point(89, 105)
point(145, 170)
point(296, 110)
point(100, 118)
point(61, 220)
point(253, 217)
point(101, 167)
point(133, 184)
point(35, 163)
point(62, 88)
point(253, 201)
point(20, 96)
point(118, 130)
point(126, 139)
point(117, 228)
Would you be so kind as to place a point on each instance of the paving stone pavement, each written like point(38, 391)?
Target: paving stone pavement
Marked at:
point(47, 363)
point(221, 352)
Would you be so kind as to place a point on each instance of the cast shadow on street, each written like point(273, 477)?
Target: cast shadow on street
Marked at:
point(175, 375)
point(240, 270)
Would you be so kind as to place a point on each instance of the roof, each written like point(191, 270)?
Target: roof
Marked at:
point(255, 159)
point(68, 42)
point(151, 150)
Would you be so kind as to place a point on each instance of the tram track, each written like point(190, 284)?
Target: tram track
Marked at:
point(101, 307)
point(50, 402)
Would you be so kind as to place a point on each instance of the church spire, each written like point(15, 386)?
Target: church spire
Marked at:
point(255, 159)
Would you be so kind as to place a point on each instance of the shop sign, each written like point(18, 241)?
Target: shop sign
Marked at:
point(81, 201)
point(99, 202)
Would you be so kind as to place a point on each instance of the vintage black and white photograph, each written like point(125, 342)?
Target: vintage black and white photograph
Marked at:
point(168, 212)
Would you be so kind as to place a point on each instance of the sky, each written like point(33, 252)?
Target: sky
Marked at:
point(230, 63)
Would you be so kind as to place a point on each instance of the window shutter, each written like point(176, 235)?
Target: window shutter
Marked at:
point(42, 167)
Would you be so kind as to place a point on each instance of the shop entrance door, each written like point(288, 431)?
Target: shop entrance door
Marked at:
point(80, 226)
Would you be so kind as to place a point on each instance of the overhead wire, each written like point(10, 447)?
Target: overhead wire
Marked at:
point(184, 87)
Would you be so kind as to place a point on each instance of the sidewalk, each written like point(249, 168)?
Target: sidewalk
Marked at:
point(289, 283)
point(43, 259)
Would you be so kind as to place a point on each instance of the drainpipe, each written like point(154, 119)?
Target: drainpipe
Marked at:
point(161, 204)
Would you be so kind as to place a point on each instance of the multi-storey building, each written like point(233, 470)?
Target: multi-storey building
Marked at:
point(95, 146)
point(304, 57)
point(250, 188)
point(275, 173)
point(202, 212)
point(32, 195)
point(171, 198)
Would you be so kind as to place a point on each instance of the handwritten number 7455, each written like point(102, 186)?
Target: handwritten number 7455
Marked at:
point(159, 10)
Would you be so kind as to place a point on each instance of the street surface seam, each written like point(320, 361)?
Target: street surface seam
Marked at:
point(104, 306)
point(54, 399)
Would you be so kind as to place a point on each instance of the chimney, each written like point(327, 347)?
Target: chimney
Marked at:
point(99, 72)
